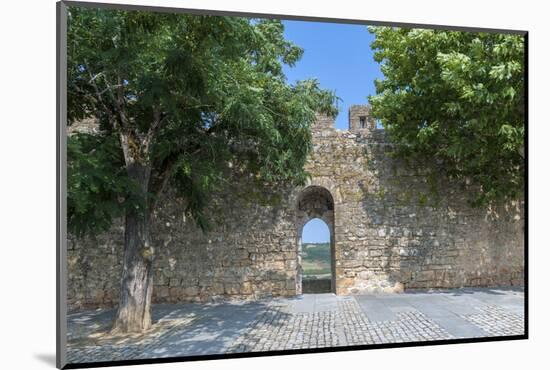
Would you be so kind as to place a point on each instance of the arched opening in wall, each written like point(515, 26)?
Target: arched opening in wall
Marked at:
point(316, 257)
point(315, 271)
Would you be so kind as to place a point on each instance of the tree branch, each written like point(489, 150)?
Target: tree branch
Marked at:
point(98, 95)
point(117, 101)
point(163, 174)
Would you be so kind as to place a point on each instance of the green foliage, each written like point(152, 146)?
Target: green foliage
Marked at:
point(422, 199)
point(316, 251)
point(455, 101)
point(193, 100)
point(98, 188)
point(316, 259)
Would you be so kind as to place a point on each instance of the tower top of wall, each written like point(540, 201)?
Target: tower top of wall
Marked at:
point(360, 118)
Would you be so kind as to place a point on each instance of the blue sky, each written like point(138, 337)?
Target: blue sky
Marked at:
point(339, 56)
point(316, 231)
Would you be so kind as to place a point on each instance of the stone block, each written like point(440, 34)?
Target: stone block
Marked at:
point(231, 289)
point(425, 276)
point(191, 291)
point(162, 291)
point(398, 287)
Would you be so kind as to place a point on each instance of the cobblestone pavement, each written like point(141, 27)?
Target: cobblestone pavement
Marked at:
point(348, 325)
point(309, 321)
point(496, 322)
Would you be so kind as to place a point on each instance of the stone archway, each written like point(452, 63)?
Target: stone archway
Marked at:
point(315, 202)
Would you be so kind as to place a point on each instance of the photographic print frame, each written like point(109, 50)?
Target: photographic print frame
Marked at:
point(62, 186)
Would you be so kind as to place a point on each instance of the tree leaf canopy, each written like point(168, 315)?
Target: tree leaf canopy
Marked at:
point(454, 102)
point(194, 99)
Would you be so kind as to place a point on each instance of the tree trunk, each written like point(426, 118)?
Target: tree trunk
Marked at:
point(136, 285)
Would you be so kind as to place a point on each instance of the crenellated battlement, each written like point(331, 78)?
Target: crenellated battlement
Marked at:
point(360, 121)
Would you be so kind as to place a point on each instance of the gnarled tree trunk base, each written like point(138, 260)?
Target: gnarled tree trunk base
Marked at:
point(134, 313)
point(136, 285)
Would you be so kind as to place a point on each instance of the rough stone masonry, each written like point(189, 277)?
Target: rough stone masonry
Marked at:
point(387, 233)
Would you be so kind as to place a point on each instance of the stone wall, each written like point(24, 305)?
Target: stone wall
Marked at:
point(388, 233)
point(250, 254)
point(392, 234)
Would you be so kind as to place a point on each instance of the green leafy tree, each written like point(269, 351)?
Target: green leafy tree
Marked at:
point(182, 101)
point(455, 100)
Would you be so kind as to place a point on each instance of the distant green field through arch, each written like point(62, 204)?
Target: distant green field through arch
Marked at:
point(316, 259)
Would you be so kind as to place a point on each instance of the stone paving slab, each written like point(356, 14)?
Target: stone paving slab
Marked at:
point(310, 303)
point(308, 321)
point(376, 309)
point(214, 330)
point(438, 309)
